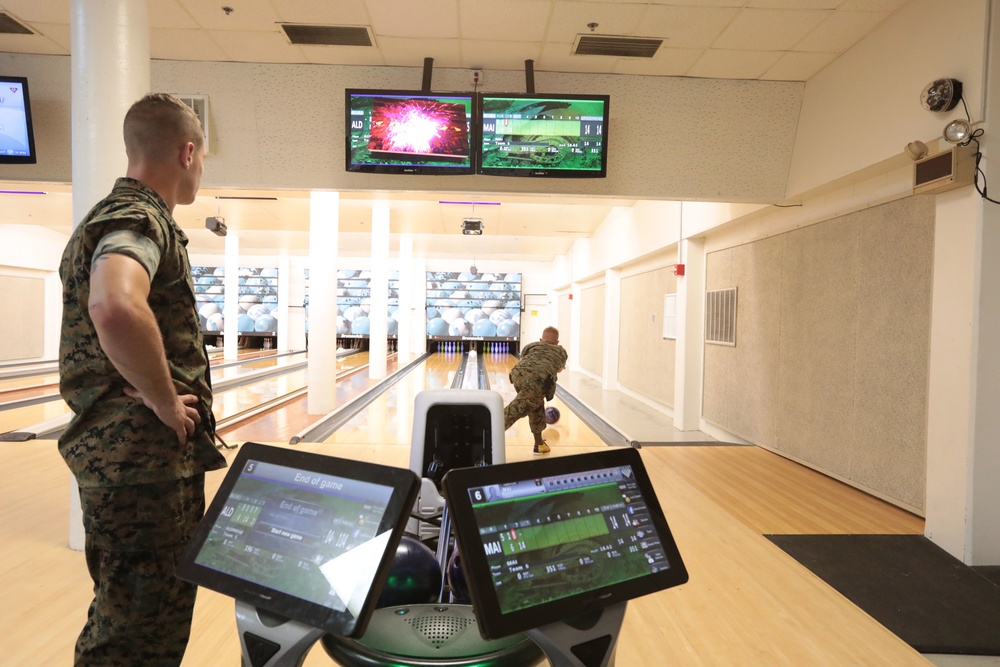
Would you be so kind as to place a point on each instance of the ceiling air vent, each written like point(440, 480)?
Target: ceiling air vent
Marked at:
point(11, 26)
point(328, 35)
point(609, 45)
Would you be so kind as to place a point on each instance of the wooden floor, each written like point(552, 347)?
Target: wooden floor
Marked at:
point(747, 603)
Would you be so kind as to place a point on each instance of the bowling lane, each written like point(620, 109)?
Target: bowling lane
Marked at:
point(230, 402)
point(569, 430)
point(250, 365)
point(388, 420)
point(285, 421)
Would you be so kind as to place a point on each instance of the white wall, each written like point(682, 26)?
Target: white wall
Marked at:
point(864, 107)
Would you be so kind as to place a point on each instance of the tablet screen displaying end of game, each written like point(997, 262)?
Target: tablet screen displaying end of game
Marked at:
point(551, 539)
point(306, 536)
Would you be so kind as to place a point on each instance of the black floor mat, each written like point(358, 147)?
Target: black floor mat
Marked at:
point(691, 443)
point(929, 599)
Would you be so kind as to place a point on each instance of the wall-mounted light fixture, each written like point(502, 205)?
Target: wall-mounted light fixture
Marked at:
point(941, 95)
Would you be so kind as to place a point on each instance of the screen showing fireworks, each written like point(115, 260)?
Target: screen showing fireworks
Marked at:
point(410, 133)
point(562, 136)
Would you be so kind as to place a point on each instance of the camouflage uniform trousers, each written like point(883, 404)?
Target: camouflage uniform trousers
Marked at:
point(532, 390)
point(141, 612)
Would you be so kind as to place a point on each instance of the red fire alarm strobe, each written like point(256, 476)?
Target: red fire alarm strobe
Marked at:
point(570, 297)
point(678, 269)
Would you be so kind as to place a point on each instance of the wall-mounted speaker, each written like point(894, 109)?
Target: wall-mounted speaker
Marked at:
point(945, 171)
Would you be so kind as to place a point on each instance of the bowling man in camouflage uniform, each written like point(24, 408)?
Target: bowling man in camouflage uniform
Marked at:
point(134, 370)
point(534, 377)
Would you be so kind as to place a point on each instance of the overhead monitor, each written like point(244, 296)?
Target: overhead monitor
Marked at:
point(305, 536)
point(546, 540)
point(547, 136)
point(405, 132)
point(17, 139)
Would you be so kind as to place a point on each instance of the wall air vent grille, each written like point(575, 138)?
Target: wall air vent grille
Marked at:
point(720, 317)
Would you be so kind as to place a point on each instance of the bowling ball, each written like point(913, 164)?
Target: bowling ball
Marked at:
point(451, 314)
point(551, 415)
point(507, 329)
point(256, 311)
point(244, 323)
point(437, 327)
point(361, 325)
point(474, 315)
point(484, 328)
point(265, 324)
point(456, 579)
point(393, 327)
point(459, 327)
point(414, 577)
point(499, 316)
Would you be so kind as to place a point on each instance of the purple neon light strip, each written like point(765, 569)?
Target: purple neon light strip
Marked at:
point(475, 203)
point(22, 192)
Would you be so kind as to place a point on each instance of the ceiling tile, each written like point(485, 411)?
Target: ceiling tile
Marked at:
point(411, 52)
point(247, 15)
point(570, 19)
point(872, 5)
point(798, 66)
point(667, 62)
point(769, 29)
point(500, 55)
point(722, 64)
point(35, 44)
point(173, 44)
point(510, 21)
point(170, 14)
point(686, 27)
point(420, 19)
point(260, 47)
point(322, 12)
point(841, 31)
point(794, 4)
point(57, 32)
point(343, 55)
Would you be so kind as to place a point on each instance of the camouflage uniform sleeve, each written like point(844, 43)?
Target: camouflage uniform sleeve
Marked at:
point(132, 244)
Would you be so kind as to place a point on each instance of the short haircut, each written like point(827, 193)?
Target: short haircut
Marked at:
point(157, 125)
point(550, 331)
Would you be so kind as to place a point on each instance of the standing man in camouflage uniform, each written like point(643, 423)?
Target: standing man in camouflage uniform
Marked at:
point(534, 377)
point(134, 370)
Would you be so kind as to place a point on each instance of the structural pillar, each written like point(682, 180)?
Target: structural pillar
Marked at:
point(378, 317)
point(109, 63)
point(689, 351)
point(231, 308)
point(324, 226)
point(405, 310)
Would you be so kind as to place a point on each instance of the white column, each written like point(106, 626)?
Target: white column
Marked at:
point(690, 351)
point(296, 279)
point(378, 318)
point(419, 312)
point(283, 301)
point(404, 315)
point(324, 224)
point(109, 47)
point(574, 327)
point(231, 309)
point(612, 327)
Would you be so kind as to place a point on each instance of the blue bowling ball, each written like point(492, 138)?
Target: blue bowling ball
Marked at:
point(361, 325)
point(456, 579)
point(551, 415)
point(437, 327)
point(414, 577)
point(484, 328)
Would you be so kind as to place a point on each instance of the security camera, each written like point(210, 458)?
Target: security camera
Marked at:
point(216, 225)
point(916, 150)
point(473, 226)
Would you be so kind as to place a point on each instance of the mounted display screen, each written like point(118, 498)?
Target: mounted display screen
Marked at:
point(561, 136)
point(548, 540)
point(400, 132)
point(17, 140)
point(306, 536)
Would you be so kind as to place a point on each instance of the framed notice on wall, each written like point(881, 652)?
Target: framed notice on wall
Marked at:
point(670, 316)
